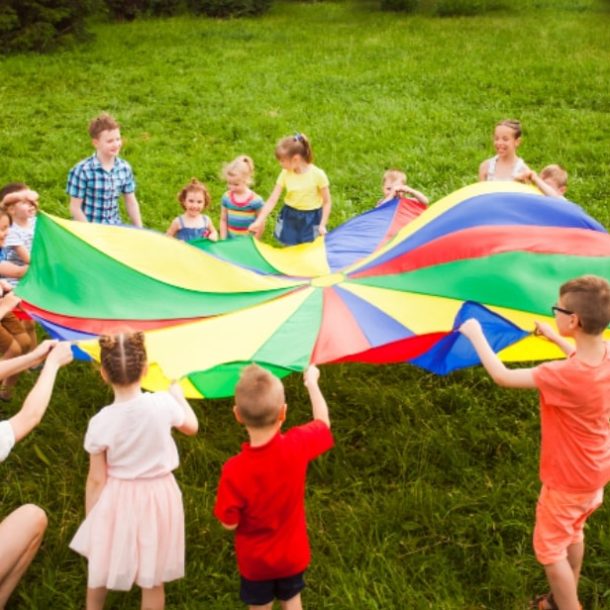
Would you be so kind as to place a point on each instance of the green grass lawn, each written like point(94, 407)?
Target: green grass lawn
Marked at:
point(427, 500)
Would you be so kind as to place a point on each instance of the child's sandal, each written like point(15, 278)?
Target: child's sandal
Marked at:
point(543, 602)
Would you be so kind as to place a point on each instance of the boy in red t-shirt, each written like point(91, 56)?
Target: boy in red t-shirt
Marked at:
point(574, 416)
point(261, 494)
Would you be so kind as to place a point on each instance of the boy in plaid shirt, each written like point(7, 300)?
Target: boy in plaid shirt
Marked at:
point(96, 183)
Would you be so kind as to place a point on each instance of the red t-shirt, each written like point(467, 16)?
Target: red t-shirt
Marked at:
point(574, 414)
point(262, 489)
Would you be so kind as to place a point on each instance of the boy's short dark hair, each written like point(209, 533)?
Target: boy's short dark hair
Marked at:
point(12, 187)
point(9, 200)
point(103, 122)
point(589, 298)
point(259, 396)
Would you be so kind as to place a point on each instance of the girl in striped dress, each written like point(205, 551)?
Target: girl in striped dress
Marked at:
point(240, 205)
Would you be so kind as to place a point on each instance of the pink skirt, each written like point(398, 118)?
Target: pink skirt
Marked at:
point(134, 533)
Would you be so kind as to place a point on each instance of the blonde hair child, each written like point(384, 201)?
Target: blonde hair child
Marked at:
point(194, 199)
point(22, 206)
point(506, 165)
point(261, 492)
point(307, 205)
point(134, 526)
point(240, 206)
point(552, 180)
point(14, 339)
point(394, 183)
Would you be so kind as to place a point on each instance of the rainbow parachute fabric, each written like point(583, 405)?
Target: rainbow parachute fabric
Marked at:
point(391, 285)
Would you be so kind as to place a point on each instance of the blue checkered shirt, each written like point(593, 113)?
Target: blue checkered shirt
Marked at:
point(100, 189)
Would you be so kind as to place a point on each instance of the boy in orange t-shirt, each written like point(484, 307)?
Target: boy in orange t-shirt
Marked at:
point(575, 413)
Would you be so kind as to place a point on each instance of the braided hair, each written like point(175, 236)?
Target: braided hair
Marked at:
point(123, 357)
point(512, 124)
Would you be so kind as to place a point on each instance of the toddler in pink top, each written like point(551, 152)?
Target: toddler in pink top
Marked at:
point(134, 528)
point(574, 412)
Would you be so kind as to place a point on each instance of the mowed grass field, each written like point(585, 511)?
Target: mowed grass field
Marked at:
point(427, 500)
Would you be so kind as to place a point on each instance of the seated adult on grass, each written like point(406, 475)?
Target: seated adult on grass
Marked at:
point(22, 530)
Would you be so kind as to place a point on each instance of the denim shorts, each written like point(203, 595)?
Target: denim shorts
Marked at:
point(261, 592)
point(297, 226)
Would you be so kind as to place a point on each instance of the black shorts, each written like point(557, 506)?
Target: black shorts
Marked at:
point(261, 592)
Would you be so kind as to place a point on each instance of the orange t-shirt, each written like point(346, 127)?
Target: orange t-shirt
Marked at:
point(574, 422)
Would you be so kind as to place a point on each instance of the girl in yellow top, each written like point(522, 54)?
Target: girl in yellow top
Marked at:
point(307, 202)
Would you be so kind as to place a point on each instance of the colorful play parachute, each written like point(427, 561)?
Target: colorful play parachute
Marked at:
point(91, 277)
point(369, 291)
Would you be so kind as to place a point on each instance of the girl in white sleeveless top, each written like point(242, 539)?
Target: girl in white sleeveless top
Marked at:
point(506, 165)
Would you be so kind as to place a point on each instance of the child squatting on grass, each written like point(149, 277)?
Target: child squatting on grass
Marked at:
point(574, 414)
point(194, 198)
point(96, 183)
point(22, 206)
point(261, 493)
point(506, 165)
point(14, 338)
point(307, 202)
point(22, 530)
point(134, 528)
